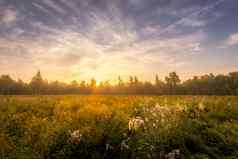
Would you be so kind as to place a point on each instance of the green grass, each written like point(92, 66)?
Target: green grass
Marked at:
point(97, 127)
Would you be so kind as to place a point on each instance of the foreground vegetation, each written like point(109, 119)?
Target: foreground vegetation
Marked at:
point(71, 127)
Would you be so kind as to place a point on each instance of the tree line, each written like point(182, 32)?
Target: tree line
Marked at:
point(208, 84)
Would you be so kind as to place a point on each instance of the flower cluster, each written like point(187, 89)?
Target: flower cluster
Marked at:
point(136, 123)
point(75, 136)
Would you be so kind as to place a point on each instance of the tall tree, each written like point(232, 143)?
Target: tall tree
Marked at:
point(120, 82)
point(233, 82)
point(172, 81)
point(158, 85)
point(93, 85)
point(131, 80)
point(21, 87)
point(7, 84)
point(208, 84)
point(37, 83)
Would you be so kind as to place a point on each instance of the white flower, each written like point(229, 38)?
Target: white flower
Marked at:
point(135, 123)
point(75, 136)
point(154, 114)
point(146, 119)
point(107, 146)
point(157, 105)
point(201, 106)
point(124, 145)
point(154, 125)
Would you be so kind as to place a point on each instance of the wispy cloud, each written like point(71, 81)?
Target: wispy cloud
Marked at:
point(8, 16)
point(41, 8)
point(71, 4)
point(188, 19)
point(232, 40)
point(52, 4)
point(193, 22)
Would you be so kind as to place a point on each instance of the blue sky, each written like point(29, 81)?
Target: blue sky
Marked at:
point(81, 39)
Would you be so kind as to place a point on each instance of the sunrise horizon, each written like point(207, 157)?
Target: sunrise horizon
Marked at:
point(114, 79)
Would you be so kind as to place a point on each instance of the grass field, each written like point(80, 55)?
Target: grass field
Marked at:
point(120, 127)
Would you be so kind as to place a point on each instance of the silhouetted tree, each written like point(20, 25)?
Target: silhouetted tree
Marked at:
point(159, 85)
point(208, 84)
point(74, 87)
point(6, 84)
point(83, 87)
point(21, 87)
point(93, 85)
point(37, 83)
point(172, 81)
point(233, 82)
point(120, 82)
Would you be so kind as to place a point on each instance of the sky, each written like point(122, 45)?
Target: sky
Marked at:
point(81, 39)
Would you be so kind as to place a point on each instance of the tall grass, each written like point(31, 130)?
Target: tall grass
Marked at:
point(103, 127)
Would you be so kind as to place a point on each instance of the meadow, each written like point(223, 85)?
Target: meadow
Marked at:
point(118, 127)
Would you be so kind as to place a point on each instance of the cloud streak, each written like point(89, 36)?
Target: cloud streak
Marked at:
point(232, 40)
point(188, 20)
point(8, 16)
point(53, 5)
point(41, 8)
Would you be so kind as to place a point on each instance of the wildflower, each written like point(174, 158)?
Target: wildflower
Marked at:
point(108, 147)
point(136, 123)
point(75, 136)
point(157, 105)
point(154, 114)
point(124, 145)
point(124, 134)
point(154, 125)
point(201, 106)
point(152, 147)
point(146, 119)
point(173, 154)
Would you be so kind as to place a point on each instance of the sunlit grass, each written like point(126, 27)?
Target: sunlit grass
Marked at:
point(118, 126)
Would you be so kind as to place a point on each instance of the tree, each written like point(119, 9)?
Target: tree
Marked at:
point(74, 87)
point(37, 83)
point(233, 82)
point(21, 87)
point(157, 81)
point(136, 81)
point(148, 88)
point(7, 84)
point(120, 87)
point(93, 85)
point(131, 81)
point(56, 87)
point(158, 85)
point(208, 84)
point(83, 87)
point(120, 82)
point(172, 81)
point(105, 87)
point(83, 84)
